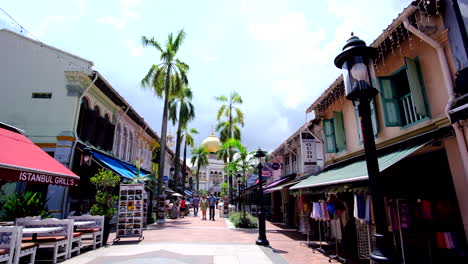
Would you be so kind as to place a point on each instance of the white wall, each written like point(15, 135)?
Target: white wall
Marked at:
point(27, 67)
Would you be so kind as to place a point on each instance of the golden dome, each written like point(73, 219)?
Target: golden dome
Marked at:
point(212, 143)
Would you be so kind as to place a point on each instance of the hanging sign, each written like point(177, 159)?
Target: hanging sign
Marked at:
point(309, 152)
point(275, 166)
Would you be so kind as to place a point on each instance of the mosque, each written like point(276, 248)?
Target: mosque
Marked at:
point(212, 175)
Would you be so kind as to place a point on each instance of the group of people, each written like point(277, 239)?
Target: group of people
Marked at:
point(202, 203)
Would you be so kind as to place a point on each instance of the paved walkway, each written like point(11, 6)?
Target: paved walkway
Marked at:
point(192, 240)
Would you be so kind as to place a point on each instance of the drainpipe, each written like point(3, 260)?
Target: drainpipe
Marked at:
point(459, 135)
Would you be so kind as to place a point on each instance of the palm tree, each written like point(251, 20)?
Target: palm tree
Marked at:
point(165, 79)
point(189, 141)
point(186, 113)
point(200, 160)
point(229, 129)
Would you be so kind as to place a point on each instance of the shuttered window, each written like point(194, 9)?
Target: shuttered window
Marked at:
point(375, 123)
point(335, 137)
point(329, 132)
point(403, 96)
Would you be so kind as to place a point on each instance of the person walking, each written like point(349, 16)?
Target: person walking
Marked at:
point(195, 203)
point(203, 206)
point(183, 204)
point(213, 200)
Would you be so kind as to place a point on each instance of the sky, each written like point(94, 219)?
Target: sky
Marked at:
point(277, 54)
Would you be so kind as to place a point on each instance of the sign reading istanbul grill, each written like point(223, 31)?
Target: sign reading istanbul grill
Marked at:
point(37, 177)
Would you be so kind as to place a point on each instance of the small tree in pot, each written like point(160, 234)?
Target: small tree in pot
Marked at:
point(105, 182)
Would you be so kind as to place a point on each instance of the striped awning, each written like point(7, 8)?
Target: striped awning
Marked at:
point(356, 171)
point(279, 188)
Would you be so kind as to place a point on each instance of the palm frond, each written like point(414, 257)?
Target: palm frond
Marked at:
point(220, 112)
point(239, 116)
point(221, 98)
point(179, 40)
point(236, 98)
point(145, 41)
point(237, 132)
point(147, 80)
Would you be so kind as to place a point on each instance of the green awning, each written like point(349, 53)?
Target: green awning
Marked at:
point(356, 171)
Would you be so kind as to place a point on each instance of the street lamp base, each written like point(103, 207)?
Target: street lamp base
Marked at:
point(262, 242)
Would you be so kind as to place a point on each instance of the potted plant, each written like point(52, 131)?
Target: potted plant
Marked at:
point(105, 182)
point(24, 204)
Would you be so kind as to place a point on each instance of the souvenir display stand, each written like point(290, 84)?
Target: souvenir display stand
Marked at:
point(131, 211)
point(145, 208)
point(161, 208)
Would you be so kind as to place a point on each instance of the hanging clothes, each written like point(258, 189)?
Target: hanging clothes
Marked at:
point(316, 211)
point(426, 210)
point(368, 209)
point(325, 215)
point(404, 215)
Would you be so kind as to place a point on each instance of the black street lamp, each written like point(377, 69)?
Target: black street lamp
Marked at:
point(358, 73)
point(238, 189)
point(262, 240)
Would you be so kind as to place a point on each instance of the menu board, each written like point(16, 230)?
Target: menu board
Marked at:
point(131, 210)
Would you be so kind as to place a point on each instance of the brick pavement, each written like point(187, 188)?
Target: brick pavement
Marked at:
point(195, 234)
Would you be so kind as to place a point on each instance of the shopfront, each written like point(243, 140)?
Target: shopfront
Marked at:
point(423, 218)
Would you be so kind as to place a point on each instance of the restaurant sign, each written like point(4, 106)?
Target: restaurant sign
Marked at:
point(37, 177)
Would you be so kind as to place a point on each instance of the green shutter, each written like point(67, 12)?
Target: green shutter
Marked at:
point(358, 124)
point(415, 87)
point(340, 136)
point(328, 131)
point(375, 124)
point(389, 102)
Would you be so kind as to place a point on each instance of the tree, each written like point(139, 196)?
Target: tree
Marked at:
point(181, 110)
point(229, 129)
point(189, 141)
point(200, 160)
point(165, 79)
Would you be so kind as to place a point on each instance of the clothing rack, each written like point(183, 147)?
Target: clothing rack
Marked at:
point(337, 256)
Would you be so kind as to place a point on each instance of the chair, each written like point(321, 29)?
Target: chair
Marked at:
point(59, 241)
point(25, 249)
point(93, 231)
point(8, 241)
point(20, 220)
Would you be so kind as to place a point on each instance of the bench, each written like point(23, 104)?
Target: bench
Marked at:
point(58, 240)
point(91, 231)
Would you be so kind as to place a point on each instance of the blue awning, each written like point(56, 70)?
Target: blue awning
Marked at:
point(187, 192)
point(115, 165)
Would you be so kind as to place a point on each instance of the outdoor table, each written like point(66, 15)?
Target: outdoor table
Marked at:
point(39, 230)
point(81, 223)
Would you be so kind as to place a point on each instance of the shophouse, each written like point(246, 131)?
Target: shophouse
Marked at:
point(419, 152)
point(64, 106)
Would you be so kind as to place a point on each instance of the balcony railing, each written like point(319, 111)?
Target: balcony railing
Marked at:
point(409, 114)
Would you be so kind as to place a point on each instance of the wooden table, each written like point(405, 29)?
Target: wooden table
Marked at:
point(40, 230)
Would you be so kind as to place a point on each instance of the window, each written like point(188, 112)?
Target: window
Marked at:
point(117, 141)
point(335, 137)
point(403, 96)
point(375, 124)
point(124, 141)
point(42, 95)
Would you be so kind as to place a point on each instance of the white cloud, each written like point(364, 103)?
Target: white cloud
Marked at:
point(208, 58)
point(292, 93)
point(133, 48)
point(121, 20)
point(44, 25)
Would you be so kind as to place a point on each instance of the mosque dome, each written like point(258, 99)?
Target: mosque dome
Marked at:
point(212, 143)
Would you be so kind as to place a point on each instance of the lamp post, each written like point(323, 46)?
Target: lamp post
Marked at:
point(262, 240)
point(358, 71)
point(238, 190)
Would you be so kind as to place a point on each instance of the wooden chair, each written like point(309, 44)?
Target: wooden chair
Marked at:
point(8, 241)
point(25, 249)
point(92, 231)
point(59, 241)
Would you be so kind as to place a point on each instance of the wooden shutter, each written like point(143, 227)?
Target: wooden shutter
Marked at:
point(340, 136)
point(414, 81)
point(358, 124)
point(389, 102)
point(375, 123)
point(329, 133)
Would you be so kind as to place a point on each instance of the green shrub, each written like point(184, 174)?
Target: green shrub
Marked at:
point(105, 182)
point(25, 204)
point(238, 220)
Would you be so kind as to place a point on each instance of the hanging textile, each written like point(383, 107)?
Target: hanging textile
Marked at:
point(368, 209)
point(335, 225)
point(325, 215)
point(316, 211)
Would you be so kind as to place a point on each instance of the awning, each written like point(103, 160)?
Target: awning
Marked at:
point(187, 192)
point(279, 188)
point(356, 171)
point(21, 160)
point(115, 165)
point(273, 184)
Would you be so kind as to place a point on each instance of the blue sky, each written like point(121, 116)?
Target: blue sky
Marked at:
point(278, 54)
